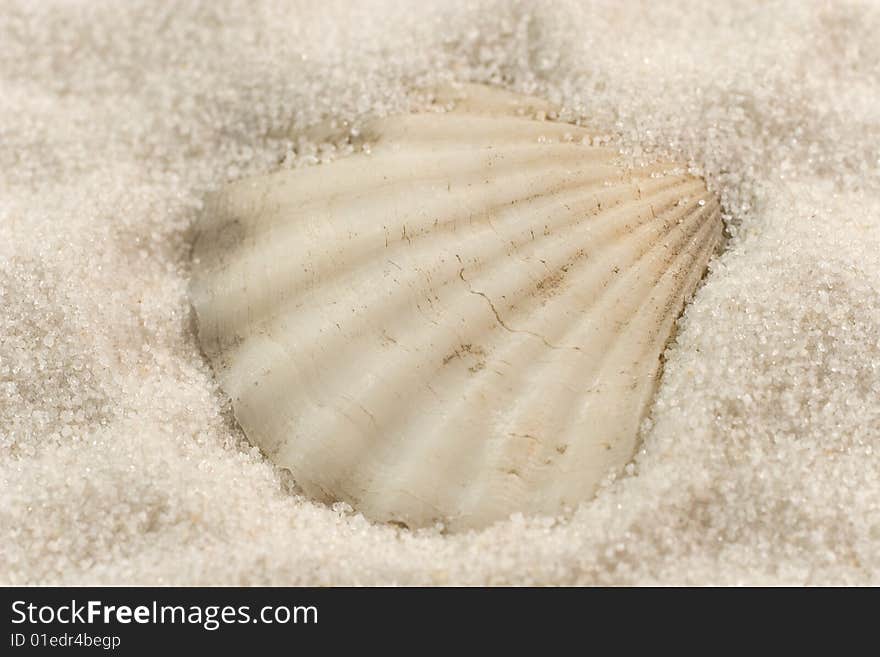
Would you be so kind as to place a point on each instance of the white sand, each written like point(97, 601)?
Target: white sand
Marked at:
point(118, 459)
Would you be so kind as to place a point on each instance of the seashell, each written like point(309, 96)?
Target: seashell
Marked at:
point(464, 323)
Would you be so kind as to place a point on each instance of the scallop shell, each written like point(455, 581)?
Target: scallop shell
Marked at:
point(466, 322)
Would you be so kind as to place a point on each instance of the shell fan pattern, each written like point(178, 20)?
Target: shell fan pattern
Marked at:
point(465, 322)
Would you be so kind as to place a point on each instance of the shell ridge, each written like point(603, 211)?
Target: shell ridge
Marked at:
point(469, 338)
point(467, 322)
point(648, 372)
point(574, 256)
point(604, 353)
point(263, 308)
point(236, 264)
point(379, 183)
point(480, 378)
point(402, 302)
